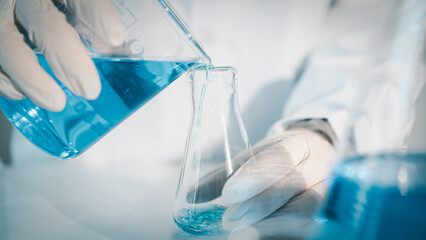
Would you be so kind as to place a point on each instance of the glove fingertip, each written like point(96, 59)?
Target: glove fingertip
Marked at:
point(107, 24)
point(78, 74)
point(47, 94)
point(54, 101)
point(230, 194)
point(115, 34)
point(112, 26)
point(10, 92)
point(13, 95)
point(16, 95)
point(58, 104)
point(242, 187)
point(92, 88)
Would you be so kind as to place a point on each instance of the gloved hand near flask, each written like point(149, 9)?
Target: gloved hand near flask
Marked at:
point(285, 174)
point(20, 72)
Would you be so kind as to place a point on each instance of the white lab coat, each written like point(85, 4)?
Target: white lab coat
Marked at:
point(354, 47)
point(365, 73)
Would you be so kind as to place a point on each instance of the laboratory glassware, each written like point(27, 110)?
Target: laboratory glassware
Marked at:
point(377, 197)
point(217, 145)
point(158, 48)
point(378, 190)
point(379, 193)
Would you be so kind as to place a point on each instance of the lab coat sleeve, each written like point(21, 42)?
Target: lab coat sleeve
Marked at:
point(365, 73)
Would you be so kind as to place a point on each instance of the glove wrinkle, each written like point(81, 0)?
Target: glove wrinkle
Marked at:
point(60, 44)
point(251, 179)
point(266, 202)
point(31, 79)
point(8, 89)
point(281, 173)
point(291, 221)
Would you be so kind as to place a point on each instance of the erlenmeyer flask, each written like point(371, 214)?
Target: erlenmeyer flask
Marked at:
point(158, 48)
point(217, 145)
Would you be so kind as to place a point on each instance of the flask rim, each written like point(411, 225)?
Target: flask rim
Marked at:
point(212, 70)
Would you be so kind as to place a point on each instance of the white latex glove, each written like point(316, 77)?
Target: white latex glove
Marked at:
point(283, 167)
point(20, 72)
point(291, 221)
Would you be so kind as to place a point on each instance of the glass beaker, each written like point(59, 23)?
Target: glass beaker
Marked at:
point(380, 192)
point(158, 48)
point(217, 145)
point(377, 197)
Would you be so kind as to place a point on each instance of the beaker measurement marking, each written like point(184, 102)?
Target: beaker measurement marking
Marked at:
point(126, 16)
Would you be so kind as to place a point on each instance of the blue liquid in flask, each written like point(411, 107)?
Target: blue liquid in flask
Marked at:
point(202, 221)
point(360, 209)
point(127, 84)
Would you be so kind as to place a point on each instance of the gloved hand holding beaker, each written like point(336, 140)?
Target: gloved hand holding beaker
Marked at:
point(20, 72)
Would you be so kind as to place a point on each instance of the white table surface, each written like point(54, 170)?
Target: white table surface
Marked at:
point(46, 198)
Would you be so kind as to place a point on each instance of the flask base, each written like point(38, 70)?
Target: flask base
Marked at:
point(205, 221)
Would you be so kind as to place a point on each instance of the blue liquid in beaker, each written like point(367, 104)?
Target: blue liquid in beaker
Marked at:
point(203, 221)
point(126, 85)
point(362, 207)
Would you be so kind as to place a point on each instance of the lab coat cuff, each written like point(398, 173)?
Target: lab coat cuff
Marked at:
point(320, 126)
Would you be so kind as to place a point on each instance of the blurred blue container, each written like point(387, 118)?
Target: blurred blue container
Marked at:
point(377, 197)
